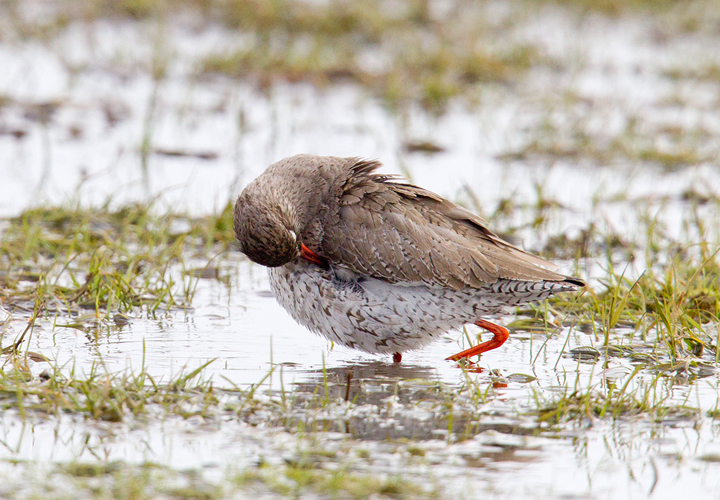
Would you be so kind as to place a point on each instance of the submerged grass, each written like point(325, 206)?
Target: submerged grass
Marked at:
point(638, 141)
point(681, 306)
point(103, 260)
point(406, 53)
point(123, 481)
point(99, 395)
point(59, 262)
point(675, 305)
point(410, 52)
point(296, 479)
point(427, 58)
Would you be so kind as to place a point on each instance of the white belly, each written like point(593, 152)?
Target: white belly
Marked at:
point(373, 315)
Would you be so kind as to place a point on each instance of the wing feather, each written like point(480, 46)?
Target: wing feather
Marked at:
point(399, 232)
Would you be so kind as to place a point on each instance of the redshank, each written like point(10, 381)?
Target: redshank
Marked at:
point(377, 264)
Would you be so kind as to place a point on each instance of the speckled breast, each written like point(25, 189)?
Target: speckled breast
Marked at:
point(379, 317)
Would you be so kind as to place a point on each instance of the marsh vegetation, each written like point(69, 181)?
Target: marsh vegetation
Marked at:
point(142, 356)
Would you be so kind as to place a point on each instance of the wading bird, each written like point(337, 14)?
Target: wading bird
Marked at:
point(376, 264)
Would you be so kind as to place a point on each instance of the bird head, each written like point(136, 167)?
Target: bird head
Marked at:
point(265, 227)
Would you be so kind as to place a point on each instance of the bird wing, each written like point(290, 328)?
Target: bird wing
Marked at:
point(399, 232)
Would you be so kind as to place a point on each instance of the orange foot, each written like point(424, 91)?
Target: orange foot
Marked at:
point(500, 335)
point(397, 357)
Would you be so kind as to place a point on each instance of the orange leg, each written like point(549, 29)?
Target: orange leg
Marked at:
point(500, 335)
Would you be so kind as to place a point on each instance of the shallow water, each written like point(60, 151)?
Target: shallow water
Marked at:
point(79, 108)
point(508, 452)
